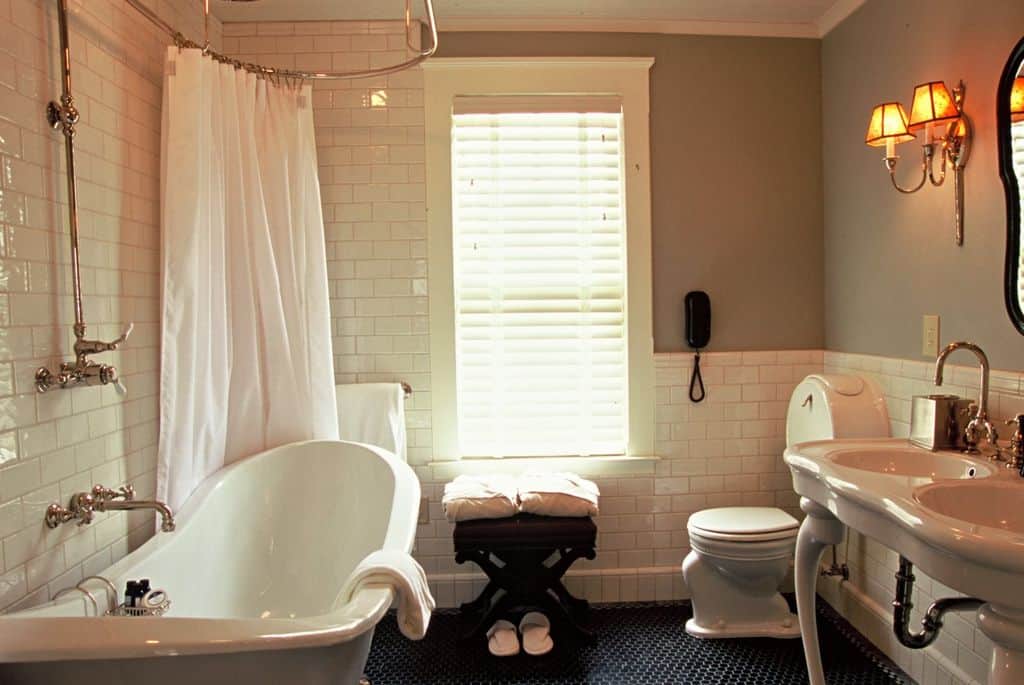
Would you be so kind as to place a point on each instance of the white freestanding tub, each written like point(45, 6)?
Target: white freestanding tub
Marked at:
point(260, 552)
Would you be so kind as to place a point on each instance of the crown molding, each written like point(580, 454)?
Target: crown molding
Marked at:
point(835, 15)
point(475, 63)
point(602, 25)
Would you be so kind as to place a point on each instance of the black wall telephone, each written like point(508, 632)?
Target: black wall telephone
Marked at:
point(697, 314)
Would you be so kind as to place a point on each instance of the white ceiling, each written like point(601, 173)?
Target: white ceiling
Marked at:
point(799, 18)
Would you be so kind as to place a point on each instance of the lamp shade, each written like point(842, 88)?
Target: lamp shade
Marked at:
point(888, 121)
point(1017, 99)
point(932, 103)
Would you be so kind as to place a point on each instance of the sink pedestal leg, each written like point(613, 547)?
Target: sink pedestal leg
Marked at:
point(819, 530)
point(1005, 627)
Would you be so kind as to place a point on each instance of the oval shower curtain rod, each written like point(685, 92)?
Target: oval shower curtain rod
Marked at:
point(181, 41)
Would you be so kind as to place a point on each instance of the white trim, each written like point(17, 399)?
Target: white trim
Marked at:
point(836, 14)
point(606, 25)
point(444, 78)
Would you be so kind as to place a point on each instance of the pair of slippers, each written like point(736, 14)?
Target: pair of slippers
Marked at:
point(502, 639)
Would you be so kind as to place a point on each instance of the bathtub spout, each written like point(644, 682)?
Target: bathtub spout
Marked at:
point(166, 516)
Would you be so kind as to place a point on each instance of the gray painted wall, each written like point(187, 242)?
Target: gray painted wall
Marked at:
point(890, 258)
point(736, 177)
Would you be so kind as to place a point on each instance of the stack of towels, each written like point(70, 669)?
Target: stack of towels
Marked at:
point(500, 496)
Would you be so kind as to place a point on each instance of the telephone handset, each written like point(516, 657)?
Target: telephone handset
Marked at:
point(697, 315)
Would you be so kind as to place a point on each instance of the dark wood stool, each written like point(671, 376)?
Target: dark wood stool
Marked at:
point(521, 545)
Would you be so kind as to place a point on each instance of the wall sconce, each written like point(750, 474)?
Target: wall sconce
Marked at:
point(1017, 100)
point(940, 116)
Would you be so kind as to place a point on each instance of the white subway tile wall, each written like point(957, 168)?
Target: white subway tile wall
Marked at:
point(962, 652)
point(54, 444)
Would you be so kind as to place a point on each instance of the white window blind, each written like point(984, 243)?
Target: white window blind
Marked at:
point(540, 276)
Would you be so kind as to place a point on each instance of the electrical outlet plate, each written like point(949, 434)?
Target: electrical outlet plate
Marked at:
point(930, 335)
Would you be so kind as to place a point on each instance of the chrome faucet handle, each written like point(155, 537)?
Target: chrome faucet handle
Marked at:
point(86, 347)
point(102, 493)
point(123, 337)
point(980, 424)
point(1016, 448)
point(969, 435)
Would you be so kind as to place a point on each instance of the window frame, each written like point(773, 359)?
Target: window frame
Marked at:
point(624, 77)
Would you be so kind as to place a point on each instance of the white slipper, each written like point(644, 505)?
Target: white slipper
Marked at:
point(536, 630)
point(502, 639)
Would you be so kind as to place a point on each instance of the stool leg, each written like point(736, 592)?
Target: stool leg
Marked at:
point(560, 617)
point(483, 601)
point(486, 620)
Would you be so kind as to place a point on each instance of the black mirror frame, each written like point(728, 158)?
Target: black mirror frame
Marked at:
point(1010, 185)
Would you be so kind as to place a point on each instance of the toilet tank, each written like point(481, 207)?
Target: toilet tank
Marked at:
point(832, 406)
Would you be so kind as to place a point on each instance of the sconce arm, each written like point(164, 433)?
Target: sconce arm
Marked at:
point(890, 164)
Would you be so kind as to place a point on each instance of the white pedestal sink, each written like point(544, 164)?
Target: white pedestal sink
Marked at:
point(958, 518)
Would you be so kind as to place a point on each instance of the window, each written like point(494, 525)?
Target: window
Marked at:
point(539, 258)
point(540, 277)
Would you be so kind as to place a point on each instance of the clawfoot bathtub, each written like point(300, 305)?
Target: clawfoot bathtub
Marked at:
point(252, 571)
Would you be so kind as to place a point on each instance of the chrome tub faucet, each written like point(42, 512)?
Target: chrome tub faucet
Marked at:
point(83, 505)
point(979, 423)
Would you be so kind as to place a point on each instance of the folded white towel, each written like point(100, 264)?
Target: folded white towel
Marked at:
point(557, 494)
point(373, 413)
point(480, 497)
point(406, 577)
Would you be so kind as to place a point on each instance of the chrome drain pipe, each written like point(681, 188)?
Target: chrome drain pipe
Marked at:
point(931, 624)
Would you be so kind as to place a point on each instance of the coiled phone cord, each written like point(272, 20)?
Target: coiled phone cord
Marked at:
point(696, 379)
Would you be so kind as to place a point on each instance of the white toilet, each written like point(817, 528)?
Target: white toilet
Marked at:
point(740, 555)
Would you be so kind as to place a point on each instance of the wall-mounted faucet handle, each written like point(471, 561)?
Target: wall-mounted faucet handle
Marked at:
point(123, 337)
point(86, 347)
point(125, 492)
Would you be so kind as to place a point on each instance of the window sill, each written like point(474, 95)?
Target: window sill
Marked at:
point(583, 466)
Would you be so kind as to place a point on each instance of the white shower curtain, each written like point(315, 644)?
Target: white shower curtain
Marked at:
point(246, 360)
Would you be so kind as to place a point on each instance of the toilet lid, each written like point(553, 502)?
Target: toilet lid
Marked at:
point(744, 521)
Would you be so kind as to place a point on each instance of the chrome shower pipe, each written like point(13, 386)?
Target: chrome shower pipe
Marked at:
point(64, 116)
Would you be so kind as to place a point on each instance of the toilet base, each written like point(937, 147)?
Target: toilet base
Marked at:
point(775, 630)
point(735, 598)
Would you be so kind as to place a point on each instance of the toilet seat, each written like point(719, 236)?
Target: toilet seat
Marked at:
point(746, 549)
point(743, 525)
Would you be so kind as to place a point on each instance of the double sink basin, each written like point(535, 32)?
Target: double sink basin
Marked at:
point(958, 518)
point(982, 502)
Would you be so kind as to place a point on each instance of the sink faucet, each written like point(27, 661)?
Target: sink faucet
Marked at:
point(979, 422)
point(83, 505)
